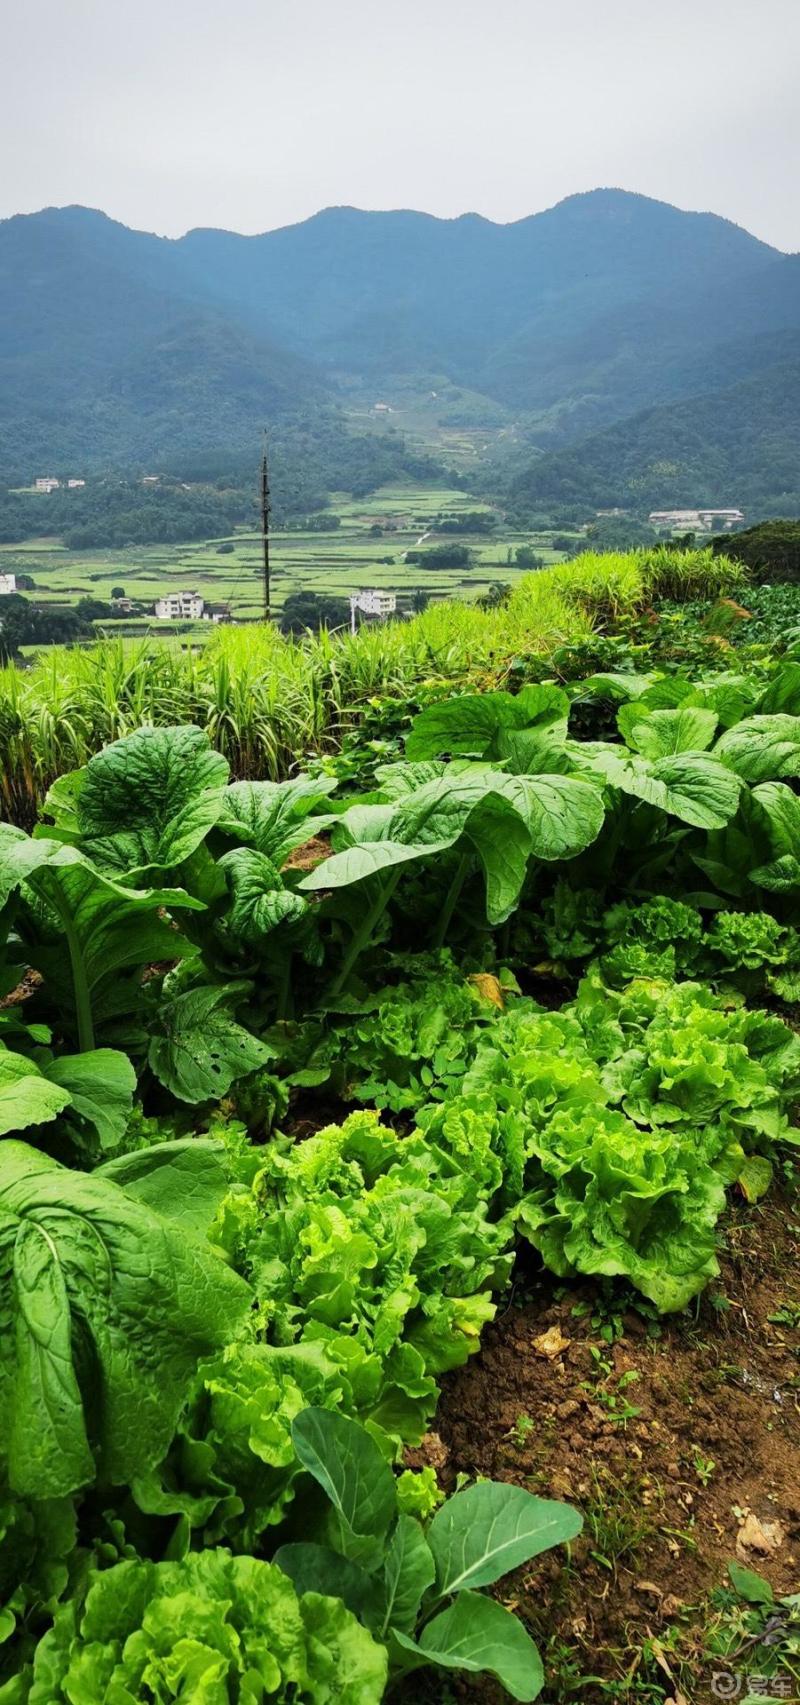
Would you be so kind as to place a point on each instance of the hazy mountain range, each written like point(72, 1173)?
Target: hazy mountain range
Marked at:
point(601, 314)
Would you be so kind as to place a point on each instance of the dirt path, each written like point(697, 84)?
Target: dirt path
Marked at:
point(682, 1448)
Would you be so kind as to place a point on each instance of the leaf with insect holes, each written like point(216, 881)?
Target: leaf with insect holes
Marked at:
point(200, 1050)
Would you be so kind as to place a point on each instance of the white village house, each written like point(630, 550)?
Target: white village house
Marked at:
point(180, 607)
point(374, 603)
point(8, 583)
point(46, 483)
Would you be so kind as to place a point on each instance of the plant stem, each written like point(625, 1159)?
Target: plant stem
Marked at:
point(451, 900)
point(83, 1003)
point(80, 984)
point(363, 935)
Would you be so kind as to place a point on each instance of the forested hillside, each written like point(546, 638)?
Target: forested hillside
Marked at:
point(117, 346)
point(739, 445)
point(607, 324)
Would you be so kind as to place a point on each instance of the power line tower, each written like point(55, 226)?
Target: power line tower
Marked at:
point(265, 514)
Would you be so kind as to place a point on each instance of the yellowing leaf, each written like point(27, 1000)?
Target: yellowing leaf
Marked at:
point(755, 1177)
point(488, 988)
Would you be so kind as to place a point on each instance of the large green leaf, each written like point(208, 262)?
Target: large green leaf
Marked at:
point(762, 748)
point(500, 836)
point(617, 687)
point(783, 692)
point(778, 811)
point(147, 801)
point(101, 1086)
point(82, 929)
point(661, 733)
point(200, 1050)
point(108, 1308)
point(502, 818)
point(408, 1571)
point(26, 1097)
point(488, 1529)
point(19, 856)
point(474, 722)
point(692, 786)
point(564, 815)
point(274, 817)
point(476, 1634)
point(346, 1462)
point(184, 1180)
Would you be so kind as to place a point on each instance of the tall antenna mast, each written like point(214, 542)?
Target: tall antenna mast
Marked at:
point(265, 513)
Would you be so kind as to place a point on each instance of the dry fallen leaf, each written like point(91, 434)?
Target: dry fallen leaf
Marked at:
point(434, 1450)
point(660, 1657)
point(551, 1343)
point(754, 1535)
point(648, 1587)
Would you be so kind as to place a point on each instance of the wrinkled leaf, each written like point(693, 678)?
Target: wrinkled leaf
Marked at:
point(91, 1279)
point(147, 801)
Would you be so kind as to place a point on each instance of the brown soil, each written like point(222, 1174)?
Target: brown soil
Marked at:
point(308, 856)
point(23, 991)
point(708, 1470)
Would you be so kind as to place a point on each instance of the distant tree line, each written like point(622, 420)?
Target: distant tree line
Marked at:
point(308, 460)
point(23, 623)
point(441, 556)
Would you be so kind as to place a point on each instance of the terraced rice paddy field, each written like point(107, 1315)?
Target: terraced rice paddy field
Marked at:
point(348, 558)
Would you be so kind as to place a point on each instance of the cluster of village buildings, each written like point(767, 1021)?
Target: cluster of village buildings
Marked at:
point(695, 520)
point(46, 483)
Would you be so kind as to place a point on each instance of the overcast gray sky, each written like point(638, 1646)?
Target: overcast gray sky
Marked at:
point(255, 113)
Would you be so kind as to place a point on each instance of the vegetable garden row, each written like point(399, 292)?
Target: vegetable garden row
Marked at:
point(289, 1072)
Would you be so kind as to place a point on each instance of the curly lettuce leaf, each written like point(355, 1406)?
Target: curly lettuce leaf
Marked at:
point(208, 1628)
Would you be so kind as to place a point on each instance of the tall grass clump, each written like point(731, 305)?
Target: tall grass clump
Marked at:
point(265, 699)
point(683, 575)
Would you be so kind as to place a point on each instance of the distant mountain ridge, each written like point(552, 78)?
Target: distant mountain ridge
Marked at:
point(116, 343)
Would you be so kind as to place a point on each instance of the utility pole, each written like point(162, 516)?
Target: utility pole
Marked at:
point(265, 512)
